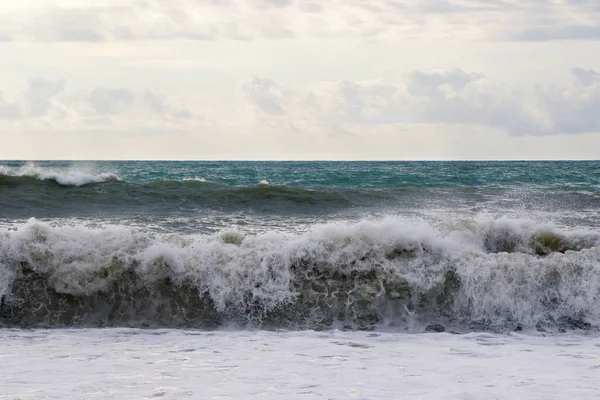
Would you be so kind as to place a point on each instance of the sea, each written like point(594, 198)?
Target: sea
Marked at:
point(299, 280)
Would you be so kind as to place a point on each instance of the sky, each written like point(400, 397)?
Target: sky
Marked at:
point(300, 79)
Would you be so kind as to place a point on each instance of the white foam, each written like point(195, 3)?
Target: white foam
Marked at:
point(176, 364)
point(72, 176)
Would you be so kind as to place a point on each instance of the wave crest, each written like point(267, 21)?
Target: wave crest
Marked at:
point(64, 177)
point(388, 273)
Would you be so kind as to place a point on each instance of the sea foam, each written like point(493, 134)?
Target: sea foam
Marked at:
point(71, 176)
point(490, 275)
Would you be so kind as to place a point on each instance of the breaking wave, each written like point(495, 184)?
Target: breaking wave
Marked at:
point(394, 274)
point(63, 177)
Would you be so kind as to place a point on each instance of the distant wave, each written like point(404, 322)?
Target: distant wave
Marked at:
point(23, 196)
point(194, 179)
point(496, 274)
point(64, 177)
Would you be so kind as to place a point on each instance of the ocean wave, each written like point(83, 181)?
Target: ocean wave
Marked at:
point(64, 177)
point(24, 196)
point(196, 179)
point(496, 274)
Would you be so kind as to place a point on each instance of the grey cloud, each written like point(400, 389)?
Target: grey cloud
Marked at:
point(452, 6)
point(575, 109)
point(586, 77)
point(110, 101)
point(366, 103)
point(429, 82)
point(310, 7)
point(543, 34)
point(533, 20)
point(69, 25)
point(205, 34)
point(40, 94)
point(276, 30)
point(266, 94)
point(128, 22)
point(441, 7)
point(155, 101)
point(101, 121)
point(459, 97)
point(442, 96)
point(158, 103)
point(8, 110)
point(183, 114)
point(96, 107)
point(455, 97)
point(276, 3)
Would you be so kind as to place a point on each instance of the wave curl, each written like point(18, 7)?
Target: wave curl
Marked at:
point(499, 275)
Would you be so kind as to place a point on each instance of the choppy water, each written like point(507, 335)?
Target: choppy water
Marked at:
point(394, 246)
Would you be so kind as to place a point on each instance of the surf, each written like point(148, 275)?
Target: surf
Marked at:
point(394, 274)
point(71, 176)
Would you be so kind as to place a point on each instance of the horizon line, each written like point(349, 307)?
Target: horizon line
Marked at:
point(302, 160)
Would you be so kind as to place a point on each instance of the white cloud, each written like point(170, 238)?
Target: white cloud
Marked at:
point(329, 77)
point(8, 110)
point(266, 94)
point(71, 25)
point(534, 20)
point(110, 101)
point(574, 109)
point(451, 97)
point(437, 114)
point(166, 106)
point(40, 95)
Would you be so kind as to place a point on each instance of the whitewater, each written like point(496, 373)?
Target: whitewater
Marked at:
point(456, 280)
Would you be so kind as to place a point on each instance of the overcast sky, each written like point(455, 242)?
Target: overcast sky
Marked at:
point(300, 79)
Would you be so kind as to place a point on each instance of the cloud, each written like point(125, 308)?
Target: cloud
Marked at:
point(585, 77)
point(449, 97)
point(40, 94)
point(265, 94)
point(535, 20)
point(544, 34)
point(110, 101)
point(452, 97)
point(183, 114)
point(44, 106)
point(9, 111)
point(155, 101)
point(458, 97)
point(166, 106)
point(574, 109)
point(70, 25)
point(37, 100)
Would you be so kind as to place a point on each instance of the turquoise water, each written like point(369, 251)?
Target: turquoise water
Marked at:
point(581, 175)
point(301, 192)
